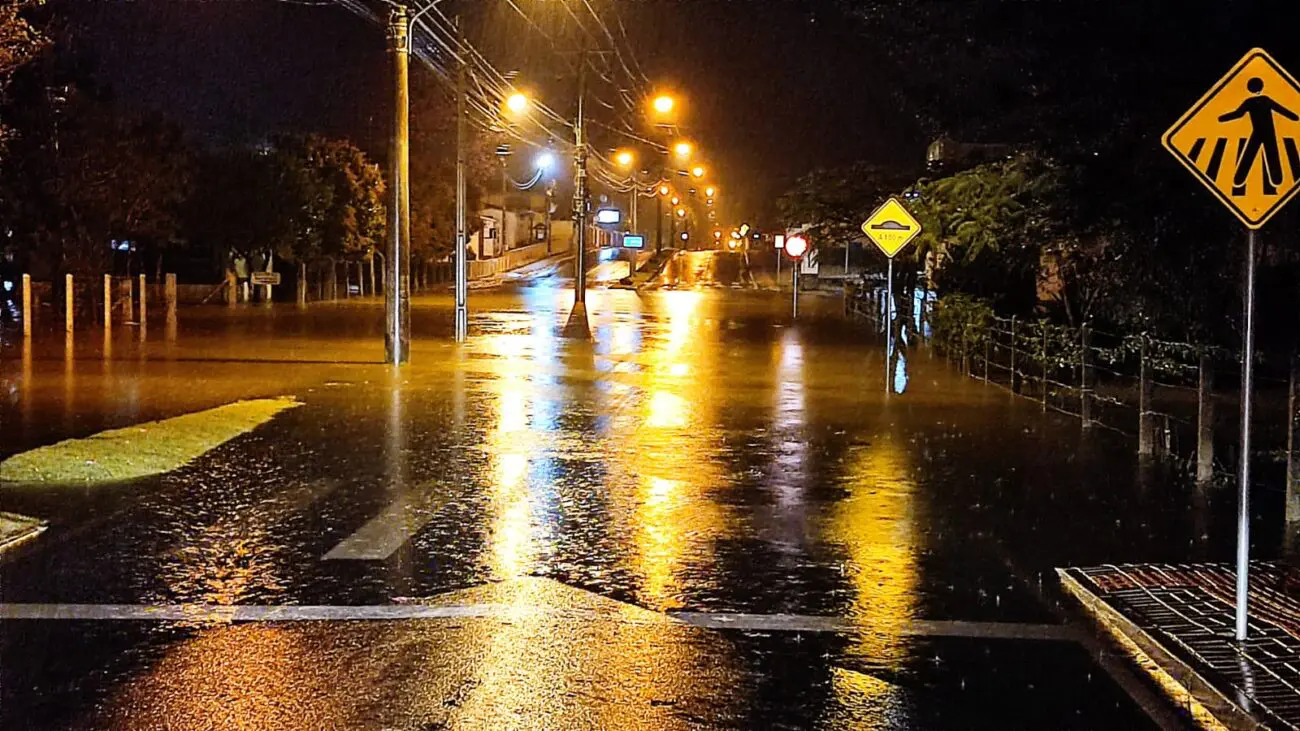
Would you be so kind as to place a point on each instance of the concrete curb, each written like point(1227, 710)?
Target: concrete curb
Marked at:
point(15, 529)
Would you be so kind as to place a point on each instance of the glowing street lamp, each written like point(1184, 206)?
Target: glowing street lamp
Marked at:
point(663, 190)
point(697, 171)
point(517, 103)
point(544, 161)
point(681, 213)
point(710, 191)
point(676, 200)
point(683, 149)
point(663, 104)
point(624, 158)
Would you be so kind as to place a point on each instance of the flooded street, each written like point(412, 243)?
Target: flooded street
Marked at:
point(709, 516)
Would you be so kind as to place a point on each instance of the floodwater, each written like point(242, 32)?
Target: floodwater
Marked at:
point(640, 531)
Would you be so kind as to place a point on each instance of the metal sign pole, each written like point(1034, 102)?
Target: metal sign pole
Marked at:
point(1243, 486)
point(889, 323)
point(794, 303)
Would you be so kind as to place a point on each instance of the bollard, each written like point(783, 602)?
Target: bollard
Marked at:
point(68, 302)
point(1292, 512)
point(169, 304)
point(232, 289)
point(1205, 420)
point(29, 314)
point(1146, 435)
point(143, 297)
point(1085, 376)
point(108, 301)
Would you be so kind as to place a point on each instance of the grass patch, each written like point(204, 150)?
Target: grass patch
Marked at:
point(151, 448)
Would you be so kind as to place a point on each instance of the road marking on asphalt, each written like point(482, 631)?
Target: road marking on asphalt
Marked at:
point(392, 612)
point(392, 528)
point(922, 628)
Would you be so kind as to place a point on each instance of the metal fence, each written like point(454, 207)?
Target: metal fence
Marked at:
point(1160, 392)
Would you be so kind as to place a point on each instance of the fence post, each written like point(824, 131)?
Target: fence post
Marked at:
point(1013, 354)
point(1293, 449)
point(1146, 432)
point(988, 348)
point(68, 302)
point(1045, 366)
point(143, 298)
point(108, 301)
point(1205, 420)
point(29, 313)
point(1085, 376)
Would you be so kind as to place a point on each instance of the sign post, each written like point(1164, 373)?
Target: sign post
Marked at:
point(1256, 105)
point(890, 228)
point(795, 248)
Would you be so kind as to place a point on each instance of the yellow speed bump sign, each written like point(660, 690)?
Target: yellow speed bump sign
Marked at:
point(1239, 139)
point(891, 227)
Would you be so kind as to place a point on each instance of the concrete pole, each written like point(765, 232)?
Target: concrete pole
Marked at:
point(1205, 421)
point(459, 259)
point(108, 301)
point(29, 314)
point(68, 302)
point(302, 284)
point(580, 196)
point(143, 298)
point(397, 302)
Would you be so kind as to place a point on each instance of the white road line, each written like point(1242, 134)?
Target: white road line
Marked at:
point(392, 528)
point(393, 612)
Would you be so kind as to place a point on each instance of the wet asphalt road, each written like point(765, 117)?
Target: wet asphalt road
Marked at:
point(578, 507)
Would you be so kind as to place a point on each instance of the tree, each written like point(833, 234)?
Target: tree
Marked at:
point(835, 202)
point(19, 43)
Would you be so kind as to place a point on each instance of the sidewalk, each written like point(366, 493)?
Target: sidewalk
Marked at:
point(1176, 622)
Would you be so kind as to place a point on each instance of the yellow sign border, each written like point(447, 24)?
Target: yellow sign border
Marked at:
point(881, 207)
point(1226, 200)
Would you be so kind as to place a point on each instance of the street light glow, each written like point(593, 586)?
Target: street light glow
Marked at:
point(683, 149)
point(517, 103)
point(664, 104)
point(624, 158)
point(663, 190)
point(544, 161)
point(697, 171)
point(709, 191)
point(681, 212)
point(676, 200)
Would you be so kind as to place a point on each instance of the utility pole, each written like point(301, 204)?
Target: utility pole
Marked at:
point(462, 240)
point(634, 202)
point(659, 222)
point(397, 298)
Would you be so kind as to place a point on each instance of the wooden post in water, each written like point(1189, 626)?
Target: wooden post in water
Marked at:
point(1146, 426)
point(68, 302)
point(1085, 376)
point(108, 301)
point(29, 313)
point(1205, 420)
point(169, 304)
point(143, 299)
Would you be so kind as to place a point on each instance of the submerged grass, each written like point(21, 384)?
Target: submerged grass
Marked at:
point(151, 448)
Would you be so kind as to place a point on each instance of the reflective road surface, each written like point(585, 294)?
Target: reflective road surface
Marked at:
point(709, 516)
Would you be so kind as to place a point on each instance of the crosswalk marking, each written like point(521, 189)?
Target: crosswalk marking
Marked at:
point(1213, 165)
point(393, 527)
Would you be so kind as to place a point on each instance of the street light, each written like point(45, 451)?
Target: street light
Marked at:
point(664, 104)
point(676, 200)
point(544, 160)
point(663, 190)
point(681, 213)
point(624, 158)
point(683, 149)
point(517, 103)
point(697, 171)
point(709, 191)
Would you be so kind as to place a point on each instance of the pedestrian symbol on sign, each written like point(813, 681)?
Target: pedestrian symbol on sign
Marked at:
point(1263, 136)
point(1240, 138)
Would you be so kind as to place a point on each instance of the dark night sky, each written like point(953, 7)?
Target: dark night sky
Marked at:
point(774, 88)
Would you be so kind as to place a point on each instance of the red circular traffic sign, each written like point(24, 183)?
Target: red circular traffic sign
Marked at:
point(796, 247)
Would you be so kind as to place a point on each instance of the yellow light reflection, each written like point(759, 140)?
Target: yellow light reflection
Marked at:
point(874, 525)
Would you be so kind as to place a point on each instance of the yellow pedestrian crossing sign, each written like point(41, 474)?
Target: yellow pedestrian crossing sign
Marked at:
point(1240, 138)
point(891, 227)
